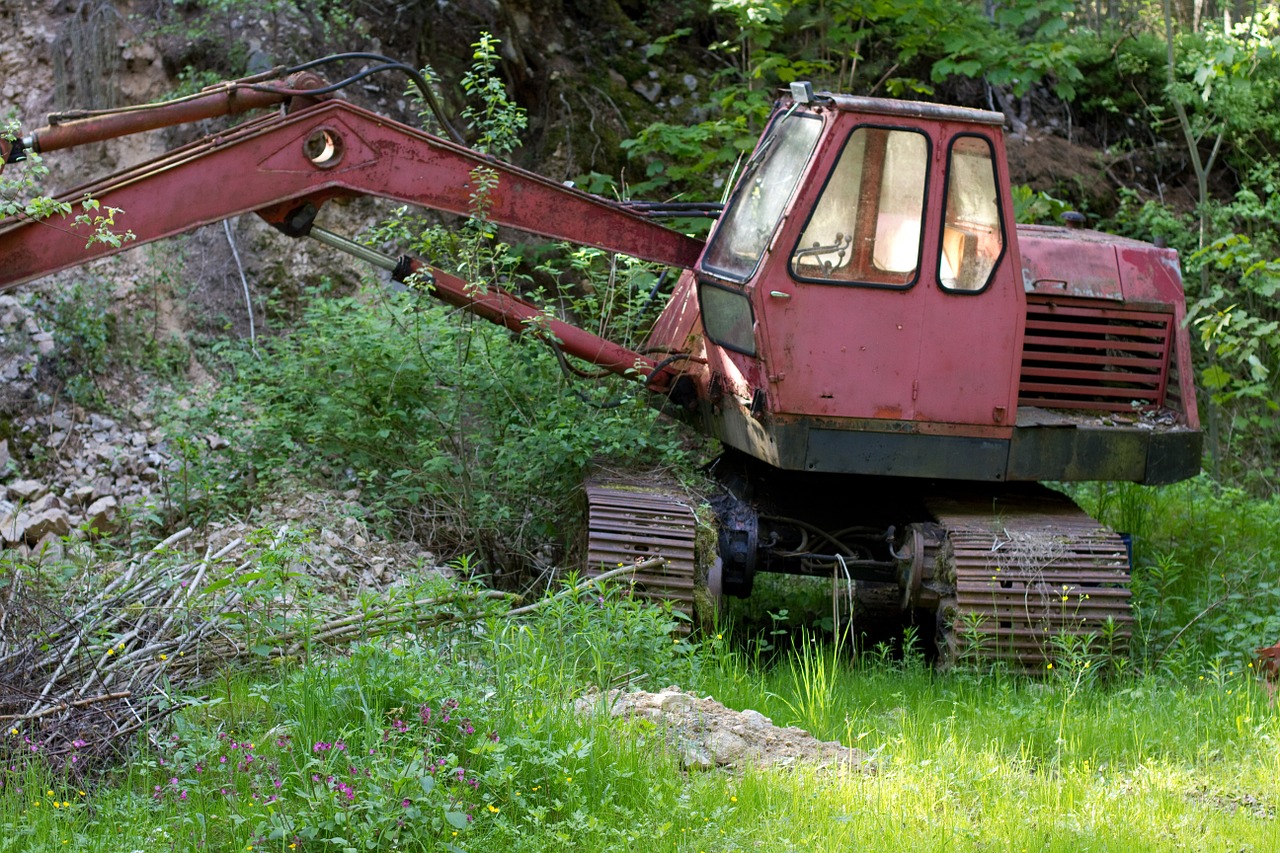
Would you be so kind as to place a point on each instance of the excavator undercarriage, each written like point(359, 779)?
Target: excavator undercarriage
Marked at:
point(1016, 575)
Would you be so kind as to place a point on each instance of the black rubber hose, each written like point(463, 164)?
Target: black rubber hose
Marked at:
point(388, 64)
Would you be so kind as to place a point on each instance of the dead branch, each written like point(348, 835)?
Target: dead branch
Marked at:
point(77, 676)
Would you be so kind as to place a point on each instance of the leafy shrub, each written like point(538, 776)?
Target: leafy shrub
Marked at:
point(456, 431)
point(1205, 568)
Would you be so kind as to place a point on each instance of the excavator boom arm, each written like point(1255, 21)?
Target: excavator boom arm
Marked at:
point(284, 167)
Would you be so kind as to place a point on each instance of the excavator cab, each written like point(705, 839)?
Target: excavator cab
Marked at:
point(862, 308)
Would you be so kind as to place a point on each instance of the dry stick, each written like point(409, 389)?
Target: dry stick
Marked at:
point(122, 578)
point(175, 606)
point(166, 544)
point(13, 591)
point(75, 644)
point(101, 670)
point(191, 588)
point(159, 715)
point(600, 578)
point(353, 624)
point(64, 706)
point(1197, 618)
point(384, 622)
point(358, 618)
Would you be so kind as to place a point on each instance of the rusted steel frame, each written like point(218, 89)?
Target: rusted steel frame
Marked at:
point(1047, 388)
point(267, 165)
point(1136, 361)
point(1052, 345)
point(512, 312)
point(1085, 329)
point(864, 229)
point(176, 158)
point(1058, 306)
point(1136, 377)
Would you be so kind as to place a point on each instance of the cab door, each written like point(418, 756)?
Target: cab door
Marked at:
point(973, 309)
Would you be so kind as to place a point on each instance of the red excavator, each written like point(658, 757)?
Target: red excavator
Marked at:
point(891, 364)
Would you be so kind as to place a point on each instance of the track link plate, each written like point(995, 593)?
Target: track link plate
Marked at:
point(1030, 572)
point(632, 521)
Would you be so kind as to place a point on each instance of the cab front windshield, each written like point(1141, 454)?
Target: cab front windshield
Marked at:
point(767, 183)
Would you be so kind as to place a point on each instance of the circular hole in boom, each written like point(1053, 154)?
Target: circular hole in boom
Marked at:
point(323, 148)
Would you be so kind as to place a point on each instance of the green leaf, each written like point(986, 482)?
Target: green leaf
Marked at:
point(1215, 378)
point(215, 586)
point(458, 820)
point(428, 784)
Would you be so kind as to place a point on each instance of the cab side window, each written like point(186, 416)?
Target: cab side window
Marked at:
point(866, 226)
point(972, 236)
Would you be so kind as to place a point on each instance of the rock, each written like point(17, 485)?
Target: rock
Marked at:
point(706, 734)
point(44, 342)
point(727, 747)
point(50, 549)
point(10, 530)
point(45, 503)
point(101, 514)
point(26, 490)
point(41, 524)
point(649, 91)
point(671, 702)
point(695, 757)
point(103, 486)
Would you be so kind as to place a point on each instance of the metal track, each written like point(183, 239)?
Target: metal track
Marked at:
point(638, 520)
point(1030, 572)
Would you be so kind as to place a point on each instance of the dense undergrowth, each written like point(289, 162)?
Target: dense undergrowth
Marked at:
point(456, 432)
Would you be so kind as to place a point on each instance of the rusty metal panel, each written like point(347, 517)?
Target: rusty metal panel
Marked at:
point(1069, 262)
point(918, 354)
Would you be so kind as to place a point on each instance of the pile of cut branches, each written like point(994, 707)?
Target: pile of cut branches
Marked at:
point(82, 672)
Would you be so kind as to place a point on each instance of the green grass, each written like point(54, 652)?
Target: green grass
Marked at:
point(964, 762)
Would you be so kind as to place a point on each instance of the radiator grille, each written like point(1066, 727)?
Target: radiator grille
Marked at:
point(1094, 357)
